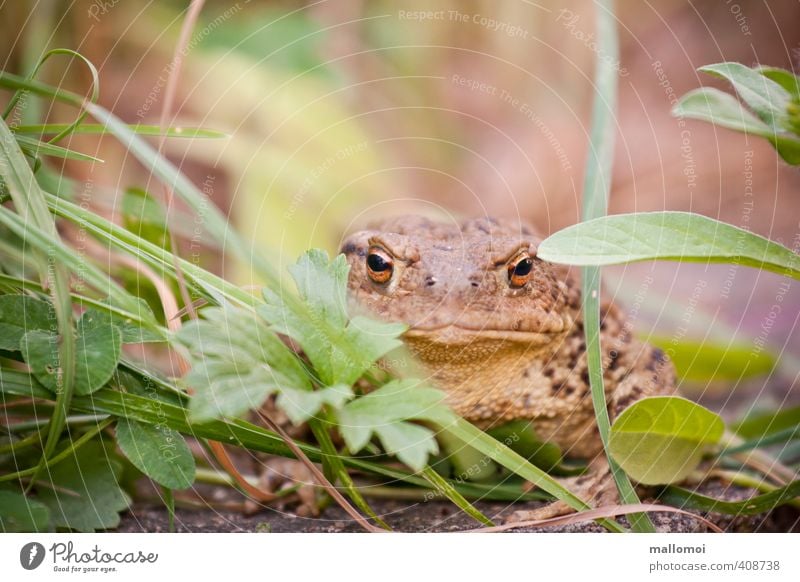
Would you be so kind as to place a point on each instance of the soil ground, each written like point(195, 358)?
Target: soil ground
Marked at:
point(431, 516)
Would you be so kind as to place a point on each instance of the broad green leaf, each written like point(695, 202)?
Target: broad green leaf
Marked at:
point(158, 451)
point(709, 361)
point(661, 440)
point(385, 413)
point(784, 78)
point(20, 514)
point(20, 314)
point(673, 236)
point(723, 109)
point(237, 362)
point(99, 346)
point(83, 492)
point(767, 98)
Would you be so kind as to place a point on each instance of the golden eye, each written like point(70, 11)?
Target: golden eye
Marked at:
point(520, 270)
point(380, 265)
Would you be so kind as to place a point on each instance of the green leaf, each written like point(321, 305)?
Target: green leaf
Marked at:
point(237, 362)
point(240, 433)
point(340, 351)
point(763, 424)
point(20, 514)
point(99, 346)
point(385, 413)
point(300, 405)
point(98, 129)
point(661, 440)
point(724, 110)
point(706, 361)
point(520, 437)
point(83, 492)
point(20, 314)
point(685, 499)
point(784, 78)
point(158, 451)
point(144, 216)
point(34, 147)
point(475, 438)
point(767, 98)
point(673, 236)
point(131, 332)
point(323, 285)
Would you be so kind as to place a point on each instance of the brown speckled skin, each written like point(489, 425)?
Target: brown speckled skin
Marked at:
point(501, 353)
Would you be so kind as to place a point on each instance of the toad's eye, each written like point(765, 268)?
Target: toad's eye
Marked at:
point(519, 271)
point(380, 265)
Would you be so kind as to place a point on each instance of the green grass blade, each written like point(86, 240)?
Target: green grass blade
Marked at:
point(686, 499)
point(17, 82)
point(498, 452)
point(83, 300)
point(33, 213)
point(444, 487)
point(66, 258)
point(333, 462)
point(173, 178)
point(147, 252)
point(34, 148)
point(595, 202)
point(233, 432)
point(139, 129)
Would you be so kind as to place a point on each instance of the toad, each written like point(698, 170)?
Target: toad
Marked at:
point(500, 331)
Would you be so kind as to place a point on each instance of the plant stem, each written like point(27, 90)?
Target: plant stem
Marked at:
point(595, 202)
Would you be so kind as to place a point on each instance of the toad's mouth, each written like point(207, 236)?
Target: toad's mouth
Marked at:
point(452, 333)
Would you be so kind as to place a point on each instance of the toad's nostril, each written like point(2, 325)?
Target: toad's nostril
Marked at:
point(475, 284)
point(430, 280)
